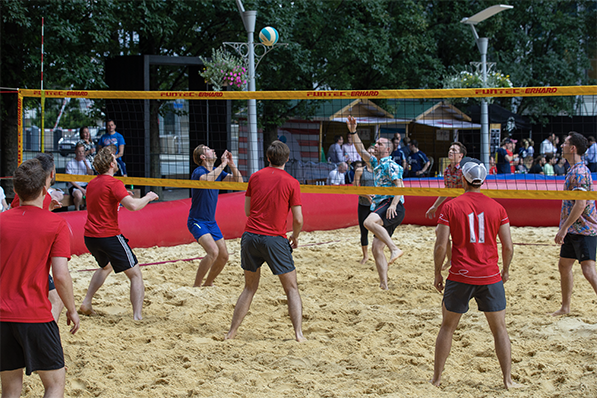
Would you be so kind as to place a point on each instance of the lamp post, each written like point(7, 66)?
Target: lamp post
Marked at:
point(482, 45)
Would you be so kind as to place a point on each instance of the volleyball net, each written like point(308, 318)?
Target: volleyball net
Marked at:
point(162, 128)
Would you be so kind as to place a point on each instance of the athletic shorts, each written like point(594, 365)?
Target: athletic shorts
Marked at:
point(51, 285)
point(33, 346)
point(579, 247)
point(114, 250)
point(489, 298)
point(274, 250)
point(390, 224)
point(199, 228)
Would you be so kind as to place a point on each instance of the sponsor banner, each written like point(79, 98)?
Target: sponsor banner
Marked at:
point(346, 189)
point(289, 95)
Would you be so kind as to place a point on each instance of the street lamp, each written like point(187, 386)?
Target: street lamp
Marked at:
point(247, 53)
point(482, 45)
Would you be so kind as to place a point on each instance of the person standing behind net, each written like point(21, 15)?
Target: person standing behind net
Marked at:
point(452, 179)
point(33, 241)
point(88, 144)
point(364, 177)
point(112, 137)
point(387, 212)
point(102, 234)
point(271, 193)
point(473, 221)
point(202, 215)
point(578, 222)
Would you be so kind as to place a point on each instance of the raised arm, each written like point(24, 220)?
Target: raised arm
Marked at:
point(235, 176)
point(351, 123)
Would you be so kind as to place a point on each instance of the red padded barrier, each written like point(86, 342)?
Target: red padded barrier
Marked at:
point(165, 223)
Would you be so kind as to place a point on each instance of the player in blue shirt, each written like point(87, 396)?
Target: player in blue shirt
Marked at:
point(202, 216)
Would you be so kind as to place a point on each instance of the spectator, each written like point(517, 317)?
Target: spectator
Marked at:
point(591, 155)
point(523, 151)
point(417, 160)
point(112, 137)
point(350, 152)
point(527, 163)
point(78, 166)
point(87, 144)
point(335, 154)
point(561, 168)
point(538, 164)
point(550, 161)
point(531, 148)
point(548, 145)
point(337, 176)
point(398, 155)
point(492, 168)
point(3, 204)
point(505, 156)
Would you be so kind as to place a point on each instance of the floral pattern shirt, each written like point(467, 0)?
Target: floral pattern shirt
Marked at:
point(579, 178)
point(453, 176)
point(386, 171)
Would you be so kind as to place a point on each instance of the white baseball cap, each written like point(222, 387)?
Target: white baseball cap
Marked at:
point(473, 170)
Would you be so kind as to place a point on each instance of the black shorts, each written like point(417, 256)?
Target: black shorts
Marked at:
point(114, 250)
point(489, 298)
point(579, 247)
point(390, 224)
point(51, 285)
point(33, 346)
point(274, 250)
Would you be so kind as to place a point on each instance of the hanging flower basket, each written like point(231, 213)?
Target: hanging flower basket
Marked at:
point(224, 69)
point(466, 79)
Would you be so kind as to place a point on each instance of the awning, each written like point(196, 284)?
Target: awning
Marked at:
point(373, 120)
point(450, 124)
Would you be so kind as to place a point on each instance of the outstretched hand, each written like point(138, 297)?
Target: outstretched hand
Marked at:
point(351, 123)
point(225, 158)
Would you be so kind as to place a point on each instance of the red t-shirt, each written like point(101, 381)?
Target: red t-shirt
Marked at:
point(104, 194)
point(47, 200)
point(474, 221)
point(30, 238)
point(273, 192)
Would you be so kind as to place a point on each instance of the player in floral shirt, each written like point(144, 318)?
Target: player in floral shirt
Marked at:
point(578, 222)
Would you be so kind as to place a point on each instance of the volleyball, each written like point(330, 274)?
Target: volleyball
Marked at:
point(268, 36)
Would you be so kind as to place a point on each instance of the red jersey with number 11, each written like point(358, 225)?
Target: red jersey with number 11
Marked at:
point(474, 221)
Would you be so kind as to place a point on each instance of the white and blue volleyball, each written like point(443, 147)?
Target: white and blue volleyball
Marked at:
point(268, 36)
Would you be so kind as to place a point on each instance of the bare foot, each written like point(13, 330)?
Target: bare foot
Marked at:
point(561, 311)
point(395, 255)
point(446, 265)
point(364, 260)
point(512, 384)
point(229, 336)
point(300, 339)
point(86, 310)
point(383, 286)
point(137, 317)
point(436, 382)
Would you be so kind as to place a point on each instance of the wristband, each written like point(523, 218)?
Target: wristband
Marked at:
point(352, 133)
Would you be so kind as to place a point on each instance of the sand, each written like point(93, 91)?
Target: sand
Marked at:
point(361, 341)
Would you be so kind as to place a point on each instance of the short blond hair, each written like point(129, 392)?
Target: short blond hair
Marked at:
point(103, 160)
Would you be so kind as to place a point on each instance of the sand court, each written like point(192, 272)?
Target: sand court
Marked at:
point(362, 341)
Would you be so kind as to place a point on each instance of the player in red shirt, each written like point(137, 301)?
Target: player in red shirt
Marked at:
point(29, 336)
point(102, 234)
point(473, 220)
point(272, 192)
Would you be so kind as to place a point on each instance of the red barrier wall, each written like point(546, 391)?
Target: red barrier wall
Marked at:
point(165, 223)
